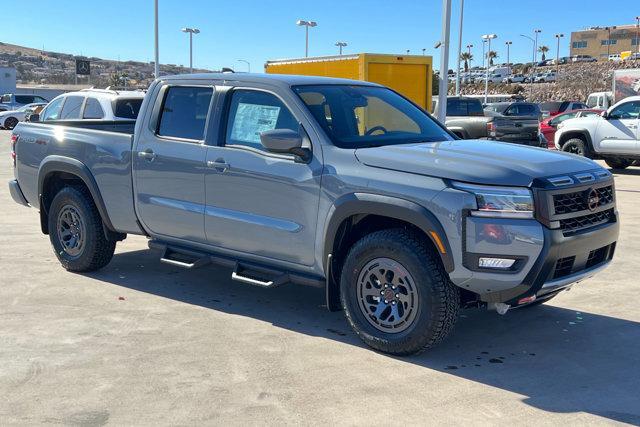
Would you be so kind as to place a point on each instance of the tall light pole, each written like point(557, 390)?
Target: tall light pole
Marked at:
point(424, 51)
point(535, 52)
point(508, 44)
point(156, 65)
point(444, 61)
point(487, 37)
point(341, 45)
point(244, 61)
point(469, 46)
point(609, 40)
point(484, 44)
point(306, 25)
point(638, 33)
point(558, 37)
point(533, 57)
point(459, 47)
point(191, 32)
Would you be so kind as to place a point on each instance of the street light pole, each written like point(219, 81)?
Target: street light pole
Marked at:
point(459, 47)
point(341, 45)
point(638, 33)
point(508, 43)
point(558, 37)
point(156, 65)
point(535, 52)
point(306, 24)
point(191, 32)
point(534, 61)
point(484, 42)
point(487, 37)
point(444, 61)
point(246, 62)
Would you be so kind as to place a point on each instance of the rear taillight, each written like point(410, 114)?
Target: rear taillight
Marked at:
point(491, 129)
point(14, 140)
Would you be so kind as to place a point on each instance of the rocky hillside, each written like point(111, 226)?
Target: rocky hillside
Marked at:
point(43, 67)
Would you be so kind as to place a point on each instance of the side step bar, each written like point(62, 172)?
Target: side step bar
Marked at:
point(244, 272)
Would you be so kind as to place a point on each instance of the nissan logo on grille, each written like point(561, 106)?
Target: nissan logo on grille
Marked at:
point(593, 200)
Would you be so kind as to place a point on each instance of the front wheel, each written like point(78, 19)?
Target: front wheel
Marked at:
point(575, 146)
point(618, 163)
point(10, 123)
point(75, 231)
point(395, 293)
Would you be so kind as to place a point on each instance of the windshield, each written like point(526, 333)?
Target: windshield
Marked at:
point(366, 116)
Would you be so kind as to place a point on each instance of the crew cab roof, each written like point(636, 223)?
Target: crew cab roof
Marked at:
point(284, 80)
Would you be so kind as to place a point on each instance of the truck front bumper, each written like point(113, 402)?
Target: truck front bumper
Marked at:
point(16, 193)
point(563, 261)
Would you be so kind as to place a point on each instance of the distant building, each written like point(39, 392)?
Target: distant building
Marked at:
point(600, 42)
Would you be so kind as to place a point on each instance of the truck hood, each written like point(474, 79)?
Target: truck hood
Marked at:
point(475, 161)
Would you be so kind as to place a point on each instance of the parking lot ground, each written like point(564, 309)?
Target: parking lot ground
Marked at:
point(143, 343)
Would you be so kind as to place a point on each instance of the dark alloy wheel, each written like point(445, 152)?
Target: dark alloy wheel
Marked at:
point(10, 123)
point(76, 231)
point(395, 293)
point(576, 146)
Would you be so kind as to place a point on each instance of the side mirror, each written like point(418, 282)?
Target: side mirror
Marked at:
point(35, 117)
point(604, 115)
point(285, 141)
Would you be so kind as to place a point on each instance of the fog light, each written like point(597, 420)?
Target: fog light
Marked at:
point(497, 263)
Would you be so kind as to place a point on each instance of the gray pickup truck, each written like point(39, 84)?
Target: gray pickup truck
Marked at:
point(334, 183)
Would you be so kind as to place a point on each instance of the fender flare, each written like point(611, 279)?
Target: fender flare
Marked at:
point(392, 207)
point(459, 131)
point(56, 163)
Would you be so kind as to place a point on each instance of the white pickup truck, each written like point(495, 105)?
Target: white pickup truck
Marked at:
point(614, 136)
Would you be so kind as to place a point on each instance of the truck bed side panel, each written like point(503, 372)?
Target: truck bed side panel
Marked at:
point(107, 155)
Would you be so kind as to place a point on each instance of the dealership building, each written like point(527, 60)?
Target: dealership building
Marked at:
point(600, 42)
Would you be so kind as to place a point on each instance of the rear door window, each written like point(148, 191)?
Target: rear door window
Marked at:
point(184, 112)
point(71, 108)
point(92, 109)
point(24, 99)
point(456, 107)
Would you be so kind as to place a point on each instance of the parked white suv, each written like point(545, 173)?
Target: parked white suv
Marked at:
point(614, 136)
point(93, 104)
point(546, 77)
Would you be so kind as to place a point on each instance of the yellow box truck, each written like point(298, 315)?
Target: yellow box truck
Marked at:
point(410, 75)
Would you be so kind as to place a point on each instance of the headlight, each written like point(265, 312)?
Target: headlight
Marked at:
point(500, 202)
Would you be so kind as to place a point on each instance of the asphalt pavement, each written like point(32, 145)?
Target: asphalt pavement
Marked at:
point(144, 343)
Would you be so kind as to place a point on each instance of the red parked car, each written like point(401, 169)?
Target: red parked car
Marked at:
point(553, 108)
point(548, 126)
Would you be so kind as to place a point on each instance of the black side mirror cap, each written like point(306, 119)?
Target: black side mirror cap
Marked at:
point(35, 117)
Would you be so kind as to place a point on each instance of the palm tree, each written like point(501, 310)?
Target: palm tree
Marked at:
point(492, 55)
point(466, 57)
point(543, 49)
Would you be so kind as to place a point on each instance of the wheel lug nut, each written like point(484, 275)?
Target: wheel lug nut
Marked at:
point(386, 302)
point(393, 303)
point(397, 295)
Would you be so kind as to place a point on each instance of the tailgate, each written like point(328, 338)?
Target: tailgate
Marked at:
point(516, 129)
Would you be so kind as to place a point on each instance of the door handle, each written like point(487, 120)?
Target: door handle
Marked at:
point(219, 164)
point(147, 154)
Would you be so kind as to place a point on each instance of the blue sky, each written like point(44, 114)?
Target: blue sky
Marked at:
point(259, 30)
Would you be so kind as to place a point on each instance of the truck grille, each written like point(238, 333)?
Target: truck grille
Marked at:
point(578, 201)
point(586, 221)
point(578, 208)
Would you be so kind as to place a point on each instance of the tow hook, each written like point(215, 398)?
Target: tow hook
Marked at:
point(500, 307)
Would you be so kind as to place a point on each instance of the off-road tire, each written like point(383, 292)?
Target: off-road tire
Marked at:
point(97, 251)
point(576, 146)
point(618, 163)
point(438, 299)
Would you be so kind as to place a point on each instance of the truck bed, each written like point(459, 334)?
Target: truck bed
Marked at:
point(104, 148)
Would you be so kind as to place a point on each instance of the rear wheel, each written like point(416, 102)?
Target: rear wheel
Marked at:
point(576, 146)
point(76, 233)
point(10, 123)
point(395, 293)
point(618, 163)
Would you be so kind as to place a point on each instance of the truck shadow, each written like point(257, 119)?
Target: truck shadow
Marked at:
point(558, 359)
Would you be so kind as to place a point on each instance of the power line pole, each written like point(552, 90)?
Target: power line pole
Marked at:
point(156, 66)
